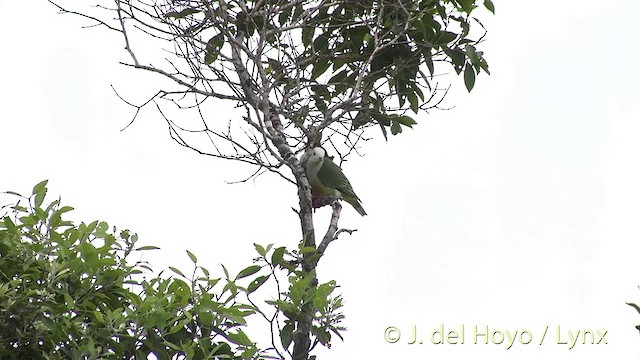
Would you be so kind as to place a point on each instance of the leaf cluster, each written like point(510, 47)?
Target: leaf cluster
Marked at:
point(342, 61)
point(303, 297)
point(303, 67)
point(70, 291)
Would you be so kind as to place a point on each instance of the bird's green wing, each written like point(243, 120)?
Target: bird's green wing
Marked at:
point(332, 176)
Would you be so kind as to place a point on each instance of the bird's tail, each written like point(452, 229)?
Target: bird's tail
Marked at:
point(356, 205)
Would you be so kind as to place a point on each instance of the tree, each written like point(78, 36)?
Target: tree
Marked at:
point(305, 74)
point(70, 291)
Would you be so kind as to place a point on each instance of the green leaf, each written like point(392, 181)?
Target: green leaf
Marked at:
point(28, 220)
point(179, 287)
point(39, 187)
point(413, 101)
point(99, 316)
point(40, 190)
point(307, 249)
point(8, 223)
point(255, 284)
point(249, 353)
point(418, 91)
point(382, 118)
point(64, 209)
point(442, 12)
point(68, 301)
point(320, 302)
point(40, 214)
point(307, 35)
point(322, 91)
point(467, 5)
point(634, 306)
point(384, 131)
point(405, 120)
point(260, 249)
point(284, 16)
point(205, 272)
point(205, 316)
point(320, 68)
point(192, 257)
point(471, 53)
point(324, 337)
point(469, 77)
point(182, 14)
point(277, 256)
point(175, 270)
point(484, 66)
point(299, 10)
point(56, 217)
point(239, 338)
point(213, 48)
point(457, 57)
point(226, 272)
point(210, 56)
point(286, 335)
point(395, 128)
point(489, 5)
point(147, 247)
point(250, 270)
point(102, 227)
point(321, 43)
point(338, 78)
point(445, 37)
point(320, 104)
point(429, 62)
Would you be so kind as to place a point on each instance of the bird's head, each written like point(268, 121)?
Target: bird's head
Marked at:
point(318, 152)
point(308, 153)
point(315, 156)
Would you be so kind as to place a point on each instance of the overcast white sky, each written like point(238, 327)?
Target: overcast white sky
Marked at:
point(516, 210)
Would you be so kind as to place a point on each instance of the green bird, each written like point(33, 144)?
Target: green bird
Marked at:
point(327, 179)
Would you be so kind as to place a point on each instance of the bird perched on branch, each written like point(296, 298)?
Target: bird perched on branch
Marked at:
point(327, 179)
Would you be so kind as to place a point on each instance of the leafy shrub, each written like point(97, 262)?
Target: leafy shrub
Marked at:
point(70, 291)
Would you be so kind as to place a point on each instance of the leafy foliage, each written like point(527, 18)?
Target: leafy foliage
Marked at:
point(303, 296)
point(70, 291)
point(336, 61)
point(300, 68)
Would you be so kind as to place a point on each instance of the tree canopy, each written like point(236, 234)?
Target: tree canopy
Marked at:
point(299, 68)
point(304, 74)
